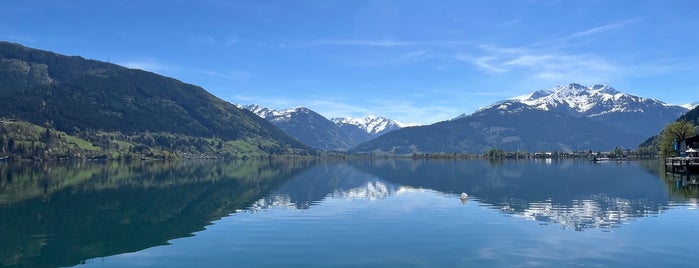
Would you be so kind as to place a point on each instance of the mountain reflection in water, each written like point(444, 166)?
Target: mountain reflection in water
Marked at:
point(62, 214)
point(576, 194)
point(59, 214)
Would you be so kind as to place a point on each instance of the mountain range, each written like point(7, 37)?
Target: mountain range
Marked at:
point(318, 132)
point(566, 118)
point(306, 126)
point(373, 125)
point(89, 98)
point(77, 95)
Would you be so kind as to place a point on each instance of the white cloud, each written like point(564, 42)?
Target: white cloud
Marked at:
point(542, 61)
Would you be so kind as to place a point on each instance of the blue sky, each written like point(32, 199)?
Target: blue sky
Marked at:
point(412, 61)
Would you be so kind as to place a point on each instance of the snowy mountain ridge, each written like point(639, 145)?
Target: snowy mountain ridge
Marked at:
point(371, 124)
point(690, 106)
point(317, 131)
point(584, 101)
point(274, 115)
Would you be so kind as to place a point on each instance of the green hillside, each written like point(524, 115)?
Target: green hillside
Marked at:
point(691, 116)
point(652, 144)
point(82, 97)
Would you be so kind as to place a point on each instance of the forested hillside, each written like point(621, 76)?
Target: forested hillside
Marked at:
point(83, 97)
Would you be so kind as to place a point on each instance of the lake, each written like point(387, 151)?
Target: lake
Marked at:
point(363, 213)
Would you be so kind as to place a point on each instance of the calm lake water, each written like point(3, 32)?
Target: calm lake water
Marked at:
point(370, 213)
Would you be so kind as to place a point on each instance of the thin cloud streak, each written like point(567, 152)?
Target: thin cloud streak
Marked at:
point(544, 62)
point(387, 43)
point(483, 62)
point(586, 33)
point(385, 60)
point(232, 75)
point(371, 43)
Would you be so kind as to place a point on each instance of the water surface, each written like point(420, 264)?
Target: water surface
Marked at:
point(371, 213)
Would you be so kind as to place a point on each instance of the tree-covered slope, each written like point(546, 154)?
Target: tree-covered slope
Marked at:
point(527, 129)
point(653, 144)
point(691, 116)
point(74, 94)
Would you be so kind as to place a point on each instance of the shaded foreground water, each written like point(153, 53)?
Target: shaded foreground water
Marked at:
point(371, 213)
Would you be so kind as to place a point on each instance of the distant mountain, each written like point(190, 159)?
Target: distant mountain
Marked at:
point(603, 104)
point(652, 144)
point(73, 94)
point(373, 125)
point(690, 106)
point(306, 126)
point(691, 116)
point(355, 133)
point(566, 118)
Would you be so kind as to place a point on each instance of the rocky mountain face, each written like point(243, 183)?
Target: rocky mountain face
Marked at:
point(316, 131)
point(307, 126)
point(566, 118)
point(373, 125)
point(605, 105)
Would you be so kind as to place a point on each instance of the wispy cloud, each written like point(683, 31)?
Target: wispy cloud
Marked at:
point(587, 33)
point(548, 61)
point(385, 43)
point(562, 62)
point(483, 62)
point(384, 59)
point(233, 75)
point(371, 43)
point(552, 67)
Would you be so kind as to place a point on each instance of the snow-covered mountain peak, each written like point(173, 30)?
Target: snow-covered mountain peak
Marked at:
point(257, 109)
point(604, 89)
point(580, 100)
point(275, 115)
point(690, 106)
point(374, 125)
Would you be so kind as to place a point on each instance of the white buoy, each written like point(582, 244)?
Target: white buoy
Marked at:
point(464, 196)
